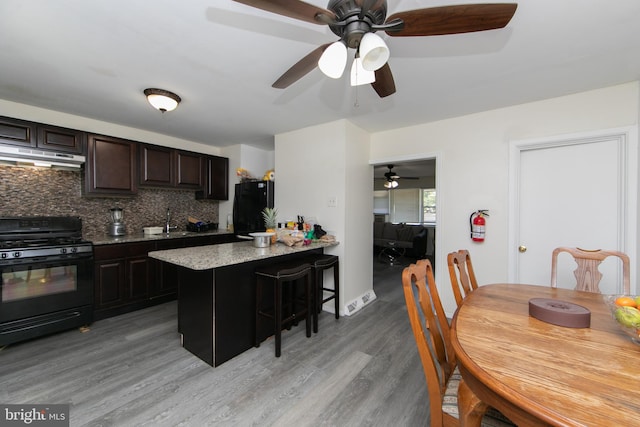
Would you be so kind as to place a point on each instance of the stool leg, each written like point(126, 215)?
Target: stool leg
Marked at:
point(277, 303)
point(336, 285)
point(310, 312)
point(317, 297)
point(288, 288)
point(258, 302)
point(320, 276)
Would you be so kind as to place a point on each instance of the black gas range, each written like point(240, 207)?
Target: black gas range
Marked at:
point(46, 276)
point(24, 238)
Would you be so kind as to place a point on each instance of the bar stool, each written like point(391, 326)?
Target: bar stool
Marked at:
point(277, 275)
point(320, 263)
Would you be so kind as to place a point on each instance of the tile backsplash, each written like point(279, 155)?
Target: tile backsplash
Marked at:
point(29, 191)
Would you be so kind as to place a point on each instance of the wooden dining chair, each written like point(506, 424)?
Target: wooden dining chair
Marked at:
point(463, 279)
point(433, 339)
point(587, 274)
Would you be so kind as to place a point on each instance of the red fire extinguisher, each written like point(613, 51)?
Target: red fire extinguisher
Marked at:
point(477, 224)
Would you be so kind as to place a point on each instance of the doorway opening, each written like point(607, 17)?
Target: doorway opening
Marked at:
point(404, 215)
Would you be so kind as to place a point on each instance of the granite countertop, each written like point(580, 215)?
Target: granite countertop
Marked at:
point(214, 256)
point(105, 239)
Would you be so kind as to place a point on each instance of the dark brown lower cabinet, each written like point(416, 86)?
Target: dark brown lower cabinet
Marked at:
point(122, 277)
point(126, 279)
point(166, 283)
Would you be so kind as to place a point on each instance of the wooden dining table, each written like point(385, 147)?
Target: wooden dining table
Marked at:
point(537, 373)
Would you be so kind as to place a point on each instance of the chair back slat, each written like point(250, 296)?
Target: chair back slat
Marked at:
point(587, 274)
point(461, 274)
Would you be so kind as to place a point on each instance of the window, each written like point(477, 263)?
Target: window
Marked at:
point(412, 205)
point(428, 205)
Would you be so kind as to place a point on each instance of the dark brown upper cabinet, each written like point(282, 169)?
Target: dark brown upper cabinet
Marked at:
point(168, 167)
point(216, 179)
point(61, 139)
point(18, 132)
point(189, 170)
point(24, 133)
point(156, 168)
point(110, 169)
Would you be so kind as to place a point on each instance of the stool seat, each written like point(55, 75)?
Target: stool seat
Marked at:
point(277, 275)
point(319, 263)
point(285, 271)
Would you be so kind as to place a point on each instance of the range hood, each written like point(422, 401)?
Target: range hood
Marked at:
point(35, 157)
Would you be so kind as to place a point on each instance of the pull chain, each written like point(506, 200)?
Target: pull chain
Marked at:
point(356, 104)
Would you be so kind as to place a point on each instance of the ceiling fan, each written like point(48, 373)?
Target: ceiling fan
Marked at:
point(356, 21)
point(392, 178)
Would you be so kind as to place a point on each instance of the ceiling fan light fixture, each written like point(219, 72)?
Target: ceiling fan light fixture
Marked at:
point(360, 76)
point(334, 60)
point(373, 51)
point(391, 184)
point(162, 100)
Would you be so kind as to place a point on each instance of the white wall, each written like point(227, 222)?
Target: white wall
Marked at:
point(254, 160)
point(473, 165)
point(357, 263)
point(324, 162)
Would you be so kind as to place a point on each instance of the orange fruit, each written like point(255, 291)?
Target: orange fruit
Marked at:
point(625, 301)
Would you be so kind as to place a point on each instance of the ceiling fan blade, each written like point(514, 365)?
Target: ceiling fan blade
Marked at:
point(384, 84)
point(300, 68)
point(296, 9)
point(467, 18)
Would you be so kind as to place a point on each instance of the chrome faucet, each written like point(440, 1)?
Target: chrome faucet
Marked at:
point(168, 227)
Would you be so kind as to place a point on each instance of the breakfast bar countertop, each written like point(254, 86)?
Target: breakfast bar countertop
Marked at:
point(214, 256)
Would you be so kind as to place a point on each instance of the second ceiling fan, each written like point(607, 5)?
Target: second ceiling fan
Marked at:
point(392, 178)
point(356, 21)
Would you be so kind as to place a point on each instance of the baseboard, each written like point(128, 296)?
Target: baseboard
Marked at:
point(359, 303)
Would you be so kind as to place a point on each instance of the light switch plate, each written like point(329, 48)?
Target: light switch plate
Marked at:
point(332, 202)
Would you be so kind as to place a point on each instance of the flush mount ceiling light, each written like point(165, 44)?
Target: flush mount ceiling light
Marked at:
point(162, 100)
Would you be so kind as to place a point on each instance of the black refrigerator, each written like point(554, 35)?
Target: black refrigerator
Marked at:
point(250, 199)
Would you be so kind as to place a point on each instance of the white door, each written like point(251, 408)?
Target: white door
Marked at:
point(571, 192)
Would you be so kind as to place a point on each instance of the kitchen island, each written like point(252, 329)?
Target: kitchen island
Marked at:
point(216, 294)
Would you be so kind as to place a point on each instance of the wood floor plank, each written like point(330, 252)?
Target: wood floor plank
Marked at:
point(361, 370)
point(313, 405)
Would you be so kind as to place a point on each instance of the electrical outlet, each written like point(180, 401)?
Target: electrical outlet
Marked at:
point(332, 202)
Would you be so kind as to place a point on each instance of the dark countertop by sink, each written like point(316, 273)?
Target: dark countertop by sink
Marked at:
point(105, 239)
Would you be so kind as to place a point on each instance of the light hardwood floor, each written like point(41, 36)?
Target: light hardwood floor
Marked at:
point(130, 370)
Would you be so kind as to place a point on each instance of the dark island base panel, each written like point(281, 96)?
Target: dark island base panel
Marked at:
point(216, 309)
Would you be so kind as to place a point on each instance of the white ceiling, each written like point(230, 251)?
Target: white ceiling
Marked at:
point(94, 59)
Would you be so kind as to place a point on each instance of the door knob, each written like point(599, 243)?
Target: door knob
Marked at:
point(522, 249)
